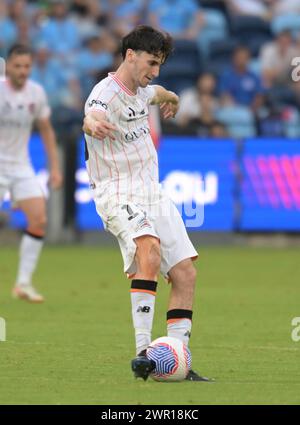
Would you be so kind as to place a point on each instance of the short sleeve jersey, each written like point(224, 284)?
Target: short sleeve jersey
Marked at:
point(18, 110)
point(124, 169)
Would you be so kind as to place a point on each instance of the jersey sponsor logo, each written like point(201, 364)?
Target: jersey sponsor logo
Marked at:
point(98, 102)
point(15, 123)
point(133, 115)
point(136, 134)
point(16, 116)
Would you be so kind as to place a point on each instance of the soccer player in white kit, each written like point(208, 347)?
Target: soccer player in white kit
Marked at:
point(23, 102)
point(123, 171)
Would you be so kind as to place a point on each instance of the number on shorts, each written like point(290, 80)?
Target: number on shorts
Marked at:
point(130, 212)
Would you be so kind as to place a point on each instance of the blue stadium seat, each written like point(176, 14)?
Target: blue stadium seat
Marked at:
point(215, 28)
point(253, 23)
point(219, 56)
point(283, 95)
point(183, 67)
point(222, 49)
point(216, 5)
point(238, 119)
point(251, 31)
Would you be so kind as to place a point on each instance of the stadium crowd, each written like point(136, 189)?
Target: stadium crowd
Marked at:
point(232, 63)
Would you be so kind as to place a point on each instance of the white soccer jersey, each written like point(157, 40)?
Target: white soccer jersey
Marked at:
point(18, 110)
point(125, 169)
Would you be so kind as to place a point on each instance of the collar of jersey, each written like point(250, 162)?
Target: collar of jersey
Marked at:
point(11, 87)
point(122, 85)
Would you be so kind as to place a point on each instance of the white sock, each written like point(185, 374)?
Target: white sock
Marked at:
point(181, 329)
point(179, 324)
point(142, 302)
point(29, 253)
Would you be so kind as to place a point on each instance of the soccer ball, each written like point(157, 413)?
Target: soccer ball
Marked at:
point(172, 358)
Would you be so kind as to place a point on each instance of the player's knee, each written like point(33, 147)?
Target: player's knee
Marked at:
point(148, 255)
point(39, 221)
point(154, 258)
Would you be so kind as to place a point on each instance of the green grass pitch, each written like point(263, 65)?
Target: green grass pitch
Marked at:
point(76, 348)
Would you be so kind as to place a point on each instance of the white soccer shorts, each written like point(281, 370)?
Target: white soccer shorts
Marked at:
point(21, 185)
point(162, 221)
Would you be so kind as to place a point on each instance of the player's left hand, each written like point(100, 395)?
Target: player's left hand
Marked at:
point(169, 110)
point(55, 179)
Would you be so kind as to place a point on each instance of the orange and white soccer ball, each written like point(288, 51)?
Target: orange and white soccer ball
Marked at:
point(172, 359)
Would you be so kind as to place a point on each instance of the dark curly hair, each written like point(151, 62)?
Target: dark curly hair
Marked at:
point(148, 39)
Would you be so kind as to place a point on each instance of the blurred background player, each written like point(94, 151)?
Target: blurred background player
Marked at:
point(22, 103)
point(123, 171)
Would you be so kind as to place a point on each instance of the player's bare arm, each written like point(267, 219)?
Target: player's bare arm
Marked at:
point(48, 136)
point(168, 101)
point(96, 125)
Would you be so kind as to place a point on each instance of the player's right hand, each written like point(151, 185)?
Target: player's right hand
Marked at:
point(98, 128)
point(102, 129)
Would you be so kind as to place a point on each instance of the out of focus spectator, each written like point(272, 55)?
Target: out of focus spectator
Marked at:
point(97, 55)
point(8, 30)
point(61, 84)
point(276, 119)
point(84, 14)
point(19, 9)
point(24, 32)
point(276, 58)
point(202, 125)
point(24, 16)
point(269, 120)
point(198, 108)
point(238, 84)
point(283, 7)
point(59, 32)
point(218, 130)
point(125, 15)
point(182, 19)
point(91, 8)
point(197, 101)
